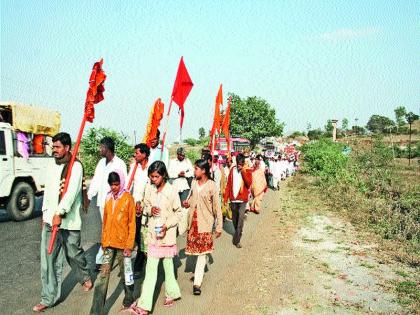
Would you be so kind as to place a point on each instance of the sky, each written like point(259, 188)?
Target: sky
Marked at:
point(311, 60)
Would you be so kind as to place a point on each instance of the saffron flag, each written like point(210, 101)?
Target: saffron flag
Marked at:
point(182, 88)
point(217, 119)
point(156, 115)
point(226, 124)
point(95, 93)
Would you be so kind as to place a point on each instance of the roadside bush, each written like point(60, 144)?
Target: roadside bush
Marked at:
point(324, 158)
point(369, 186)
point(193, 155)
point(89, 148)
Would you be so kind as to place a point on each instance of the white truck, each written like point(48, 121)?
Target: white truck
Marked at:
point(25, 150)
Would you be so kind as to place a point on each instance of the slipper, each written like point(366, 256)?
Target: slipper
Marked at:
point(134, 309)
point(169, 302)
point(87, 285)
point(39, 308)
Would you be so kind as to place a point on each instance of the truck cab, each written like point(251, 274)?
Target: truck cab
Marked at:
point(23, 174)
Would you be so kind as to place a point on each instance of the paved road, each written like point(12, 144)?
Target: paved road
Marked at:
point(20, 275)
point(20, 261)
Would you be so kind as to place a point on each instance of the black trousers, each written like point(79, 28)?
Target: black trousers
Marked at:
point(140, 260)
point(238, 216)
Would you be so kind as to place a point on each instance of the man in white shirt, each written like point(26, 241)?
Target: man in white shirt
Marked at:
point(156, 153)
point(141, 179)
point(63, 212)
point(99, 185)
point(179, 170)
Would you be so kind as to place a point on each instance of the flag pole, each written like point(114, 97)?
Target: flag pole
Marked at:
point(87, 116)
point(130, 182)
point(166, 128)
point(66, 183)
point(212, 152)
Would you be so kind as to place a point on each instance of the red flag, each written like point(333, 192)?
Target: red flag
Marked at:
point(95, 93)
point(226, 124)
point(182, 88)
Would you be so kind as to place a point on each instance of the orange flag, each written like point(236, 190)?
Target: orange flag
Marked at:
point(155, 117)
point(217, 120)
point(95, 93)
point(226, 124)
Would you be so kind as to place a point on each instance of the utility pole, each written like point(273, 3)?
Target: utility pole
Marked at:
point(334, 123)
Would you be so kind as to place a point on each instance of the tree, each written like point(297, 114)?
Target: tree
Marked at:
point(253, 118)
point(89, 147)
point(411, 117)
point(358, 130)
point(329, 128)
point(379, 124)
point(400, 113)
point(296, 134)
point(315, 134)
point(202, 132)
point(345, 124)
point(190, 141)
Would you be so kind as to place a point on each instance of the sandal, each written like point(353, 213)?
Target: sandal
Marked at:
point(134, 309)
point(39, 308)
point(87, 285)
point(169, 302)
point(196, 290)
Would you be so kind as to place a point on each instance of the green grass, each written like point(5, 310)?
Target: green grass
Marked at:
point(310, 240)
point(402, 273)
point(408, 292)
point(367, 265)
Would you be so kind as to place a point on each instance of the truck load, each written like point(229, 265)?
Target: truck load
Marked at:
point(25, 150)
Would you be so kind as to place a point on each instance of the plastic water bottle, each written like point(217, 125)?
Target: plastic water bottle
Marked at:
point(128, 271)
point(158, 227)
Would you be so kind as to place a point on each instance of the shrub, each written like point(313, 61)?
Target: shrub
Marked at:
point(193, 155)
point(89, 148)
point(369, 186)
point(324, 158)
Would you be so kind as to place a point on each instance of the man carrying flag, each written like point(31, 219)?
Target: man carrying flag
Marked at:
point(63, 212)
point(63, 198)
point(158, 151)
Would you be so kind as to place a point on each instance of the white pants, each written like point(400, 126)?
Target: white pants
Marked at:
point(100, 254)
point(275, 182)
point(199, 269)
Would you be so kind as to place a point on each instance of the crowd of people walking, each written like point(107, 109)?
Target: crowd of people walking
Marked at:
point(143, 213)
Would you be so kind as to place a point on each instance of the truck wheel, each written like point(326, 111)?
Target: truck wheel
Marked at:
point(22, 202)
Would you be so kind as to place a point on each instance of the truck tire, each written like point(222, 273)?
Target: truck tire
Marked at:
point(21, 202)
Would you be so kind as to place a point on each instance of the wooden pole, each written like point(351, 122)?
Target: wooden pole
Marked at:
point(212, 152)
point(392, 143)
point(409, 147)
point(130, 182)
point(166, 128)
point(66, 183)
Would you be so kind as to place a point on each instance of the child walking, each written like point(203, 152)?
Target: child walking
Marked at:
point(204, 213)
point(118, 233)
point(162, 204)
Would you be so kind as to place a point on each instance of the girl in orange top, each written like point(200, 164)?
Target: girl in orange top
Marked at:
point(118, 233)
